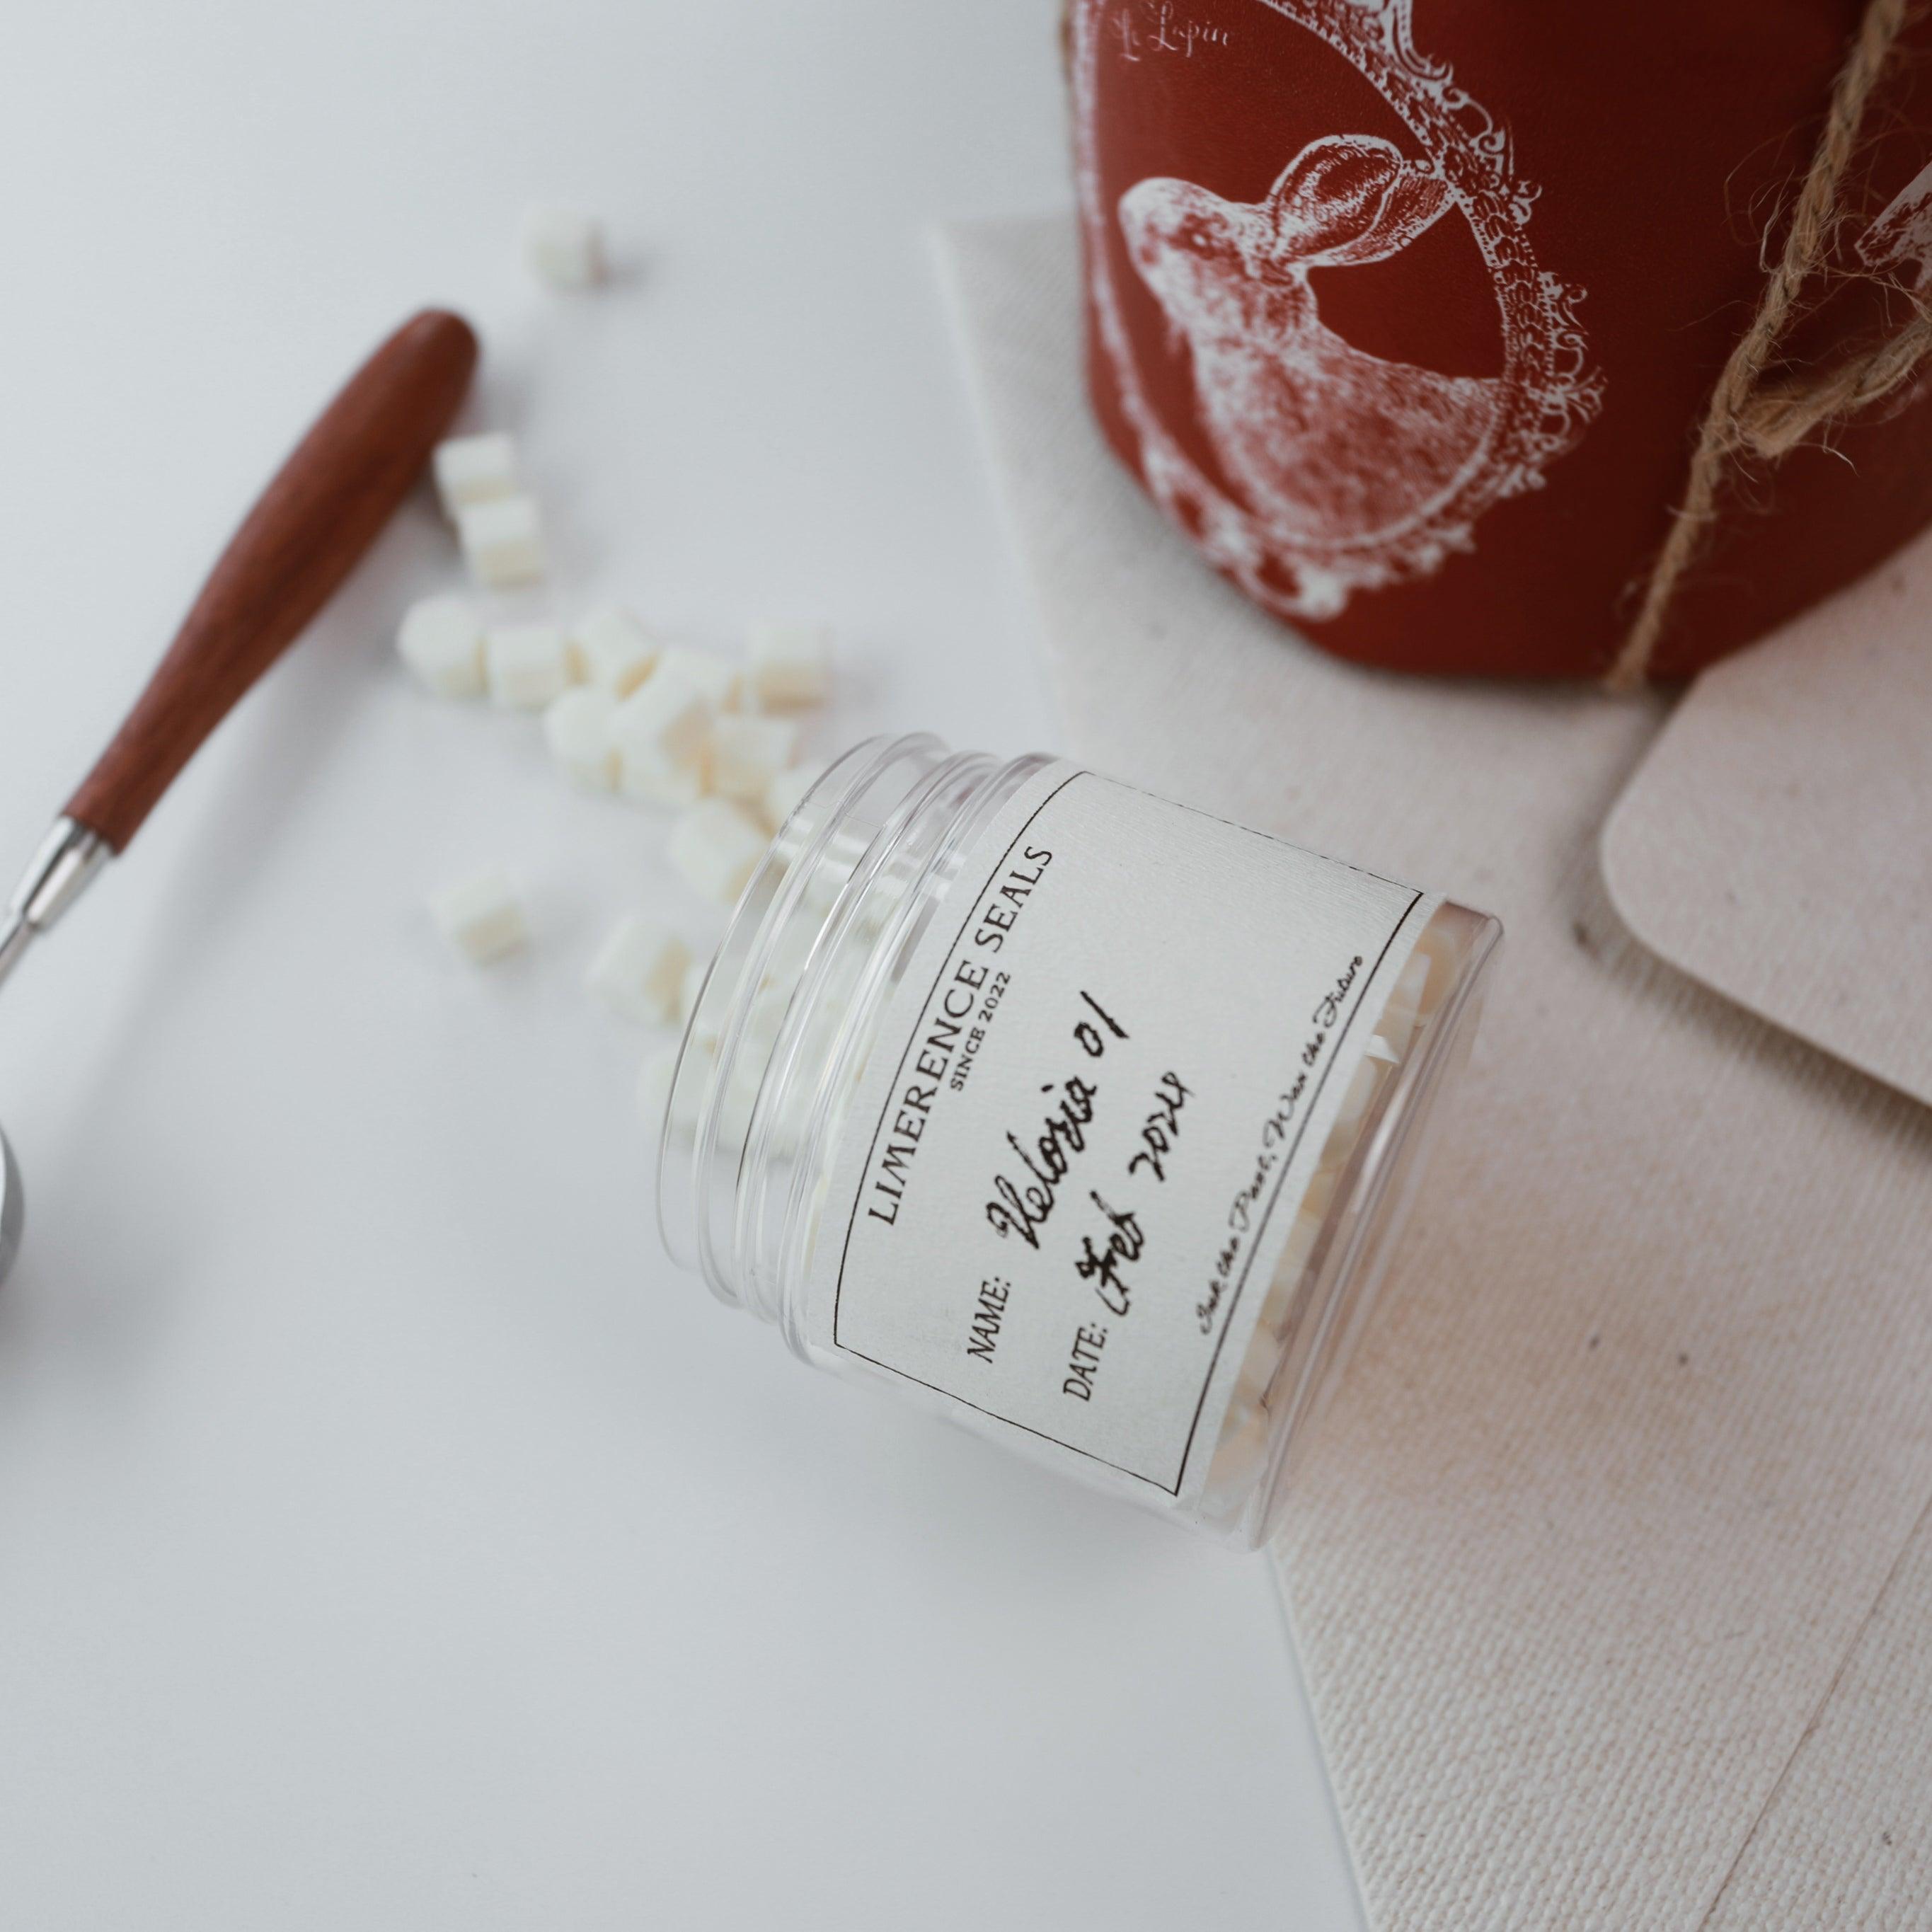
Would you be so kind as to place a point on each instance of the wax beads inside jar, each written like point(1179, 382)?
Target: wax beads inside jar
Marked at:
point(1322, 1289)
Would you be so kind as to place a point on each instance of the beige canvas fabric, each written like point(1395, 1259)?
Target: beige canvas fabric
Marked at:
point(1777, 840)
point(1846, 1839)
point(1603, 1527)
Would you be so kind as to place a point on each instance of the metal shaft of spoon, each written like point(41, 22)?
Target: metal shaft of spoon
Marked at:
point(68, 858)
point(15, 936)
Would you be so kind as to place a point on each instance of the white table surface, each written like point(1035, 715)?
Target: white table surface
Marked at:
point(389, 1536)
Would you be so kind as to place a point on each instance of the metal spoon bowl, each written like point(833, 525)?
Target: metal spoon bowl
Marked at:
point(13, 1209)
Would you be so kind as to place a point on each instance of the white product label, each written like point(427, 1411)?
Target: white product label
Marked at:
point(1096, 1099)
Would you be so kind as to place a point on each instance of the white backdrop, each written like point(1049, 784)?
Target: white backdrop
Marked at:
point(388, 1536)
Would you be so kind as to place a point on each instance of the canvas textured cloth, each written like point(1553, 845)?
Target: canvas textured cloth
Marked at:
point(1610, 1535)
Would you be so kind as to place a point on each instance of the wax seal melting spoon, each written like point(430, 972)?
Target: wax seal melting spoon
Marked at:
point(306, 533)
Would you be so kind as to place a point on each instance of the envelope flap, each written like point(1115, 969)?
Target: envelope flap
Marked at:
point(1776, 842)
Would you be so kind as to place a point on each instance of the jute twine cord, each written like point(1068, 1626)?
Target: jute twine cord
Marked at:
point(1745, 415)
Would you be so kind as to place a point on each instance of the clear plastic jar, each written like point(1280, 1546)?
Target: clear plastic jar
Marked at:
point(1084, 1119)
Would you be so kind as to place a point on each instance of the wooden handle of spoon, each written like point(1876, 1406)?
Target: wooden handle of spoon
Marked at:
point(306, 532)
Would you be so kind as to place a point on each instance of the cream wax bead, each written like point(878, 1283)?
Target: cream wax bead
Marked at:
point(662, 732)
point(748, 753)
point(667, 717)
point(787, 791)
point(618, 653)
point(1079, 1117)
point(577, 728)
point(639, 971)
point(721, 683)
point(717, 846)
point(563, 248)
point(474, 469)
point(480, 917)
point(442, 643)
point(528, 664)
point(502, 540)
point(649, 781)
point(790, 664)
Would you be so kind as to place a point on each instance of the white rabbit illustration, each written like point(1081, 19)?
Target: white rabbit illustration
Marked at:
point(1326, 442)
